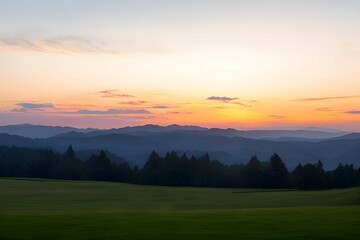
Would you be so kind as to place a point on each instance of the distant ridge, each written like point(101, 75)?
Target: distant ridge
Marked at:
point(39, 131)
point(347, 136)
point(134, 144)
point(331, 130)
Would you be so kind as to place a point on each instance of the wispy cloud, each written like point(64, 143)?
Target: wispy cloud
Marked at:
point(324, 109)
point(277, 116)
point(141, 117)
point(176, 112)
point(161, 107)
point(133, 102)
point(353, 112)
point(25, 106)
point(114, 93)
point(327, 98)
point(222, 99)
point(58, 45)
point(111, 111)
point(74, 106)
point(35, 105)
point(18, 110)
point(231, 100)
point(70, 44)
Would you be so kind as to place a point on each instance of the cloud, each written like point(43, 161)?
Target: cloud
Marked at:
point(112, 111)
point(353, 112)
point(70, 44)
point(133, 102)
point(18, 110)
point(277, 116)
point(113, 94)
point(327, 98)
point(137, 117)
point(35, 105)
point(222, 99)
point(225, 100)
point(25, 106)
point(161, 107)
point(176, 112)
point(58, 45)
point(324, 109)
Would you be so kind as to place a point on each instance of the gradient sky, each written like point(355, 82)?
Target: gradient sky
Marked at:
point(241, 64)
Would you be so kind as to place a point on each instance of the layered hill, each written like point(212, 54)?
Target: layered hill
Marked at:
point(134, 144)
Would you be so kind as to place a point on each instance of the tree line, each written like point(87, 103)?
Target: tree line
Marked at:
point(174, 170)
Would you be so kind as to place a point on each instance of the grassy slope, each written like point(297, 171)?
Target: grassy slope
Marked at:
point(45, 209)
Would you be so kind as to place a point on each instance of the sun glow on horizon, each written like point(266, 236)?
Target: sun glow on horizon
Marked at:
point(240, 64)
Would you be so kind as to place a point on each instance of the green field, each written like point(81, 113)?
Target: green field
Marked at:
point(55, 209)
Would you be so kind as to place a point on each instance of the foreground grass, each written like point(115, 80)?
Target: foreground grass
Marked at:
point(45, 209)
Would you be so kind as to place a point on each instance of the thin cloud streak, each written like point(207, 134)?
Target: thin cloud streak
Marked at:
point(176, 112)
point(35, 105)
point(324, 109)
point(114, 93)
point(70, 44)
point(58, 45)
point(19, 110)
point(327, 98)
point(353, 112)
point(25, 106)
point(112, 111)
point(133, 102)
point(277, 116)
point(161, 107)
point(224, 99)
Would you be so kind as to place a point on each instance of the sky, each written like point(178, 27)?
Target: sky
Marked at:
point(260, 64)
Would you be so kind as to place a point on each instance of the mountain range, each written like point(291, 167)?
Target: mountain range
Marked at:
point(40, 131)
point(134, 144)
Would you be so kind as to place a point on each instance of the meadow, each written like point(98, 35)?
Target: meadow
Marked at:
point(60, 209)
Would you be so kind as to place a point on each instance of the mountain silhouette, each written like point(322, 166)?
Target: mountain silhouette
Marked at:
point(134, 144)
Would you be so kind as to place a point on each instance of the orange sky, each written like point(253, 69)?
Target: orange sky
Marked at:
point(209, 63)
